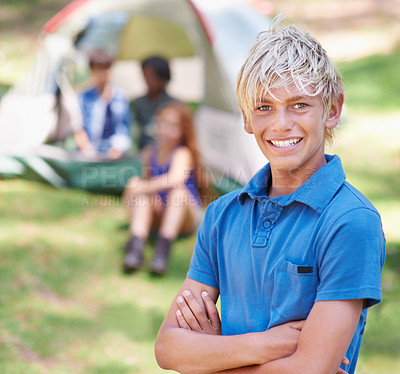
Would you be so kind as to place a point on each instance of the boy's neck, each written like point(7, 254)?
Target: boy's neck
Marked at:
point(285, 182)
point(283, 187)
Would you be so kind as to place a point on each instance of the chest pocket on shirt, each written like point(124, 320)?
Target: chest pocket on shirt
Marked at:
point(294, 292)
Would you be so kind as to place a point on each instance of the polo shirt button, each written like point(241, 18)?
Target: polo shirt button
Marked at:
point(267, 224)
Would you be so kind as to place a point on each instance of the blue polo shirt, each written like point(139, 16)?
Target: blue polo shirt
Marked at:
point(271, 259)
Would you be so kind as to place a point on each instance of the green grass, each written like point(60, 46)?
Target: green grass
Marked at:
point(65, 304)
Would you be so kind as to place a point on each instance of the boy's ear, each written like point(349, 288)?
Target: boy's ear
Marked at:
point(247, 126)
point(334, 113)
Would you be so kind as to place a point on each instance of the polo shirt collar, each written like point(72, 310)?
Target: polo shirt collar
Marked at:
point(316, 192)
point(257, 186)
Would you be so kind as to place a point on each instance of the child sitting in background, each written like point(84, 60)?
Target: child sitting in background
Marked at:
point(167, 196)
point(156, 74)
point(106, 113)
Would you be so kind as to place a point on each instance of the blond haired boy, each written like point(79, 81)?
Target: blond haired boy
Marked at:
point(295, 256)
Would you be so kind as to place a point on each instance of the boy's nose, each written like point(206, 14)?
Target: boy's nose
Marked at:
point(282, 120)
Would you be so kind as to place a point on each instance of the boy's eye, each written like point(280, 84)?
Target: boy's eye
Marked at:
point(264, 108)
point(300, 106)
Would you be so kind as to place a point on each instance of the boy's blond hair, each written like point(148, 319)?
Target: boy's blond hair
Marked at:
point(283, 55)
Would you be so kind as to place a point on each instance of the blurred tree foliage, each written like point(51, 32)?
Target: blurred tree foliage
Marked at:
point(373, 83)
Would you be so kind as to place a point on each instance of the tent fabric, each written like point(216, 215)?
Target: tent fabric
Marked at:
point(144, 36)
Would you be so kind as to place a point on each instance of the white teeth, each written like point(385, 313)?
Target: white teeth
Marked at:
point(285, 143)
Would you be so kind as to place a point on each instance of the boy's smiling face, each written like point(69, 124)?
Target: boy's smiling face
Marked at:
point(289, 127)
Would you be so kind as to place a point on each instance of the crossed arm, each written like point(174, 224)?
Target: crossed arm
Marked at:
point(189, 340)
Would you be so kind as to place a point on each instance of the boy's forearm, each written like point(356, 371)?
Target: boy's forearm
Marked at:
point(322, 345)
point(186, 351)
point(287, 365)
point(186, 343)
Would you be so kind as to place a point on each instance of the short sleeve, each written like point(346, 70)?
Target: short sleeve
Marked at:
point(203, 266)
point(350, 266)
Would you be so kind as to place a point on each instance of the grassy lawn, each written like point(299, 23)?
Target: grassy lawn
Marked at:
point(65, 305)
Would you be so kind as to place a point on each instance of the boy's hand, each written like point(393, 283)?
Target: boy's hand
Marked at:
point(191, 315)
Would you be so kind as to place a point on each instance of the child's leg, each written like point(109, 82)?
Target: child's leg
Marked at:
point(142, 209)
point(178, 217)
point(141, 216)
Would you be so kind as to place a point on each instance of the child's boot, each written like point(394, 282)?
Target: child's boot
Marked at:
point(133, 254)
point(162, 251)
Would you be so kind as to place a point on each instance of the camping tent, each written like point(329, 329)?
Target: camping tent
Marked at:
point(206, 41)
